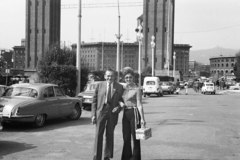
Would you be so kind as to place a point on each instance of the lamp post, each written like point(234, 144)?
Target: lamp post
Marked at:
point(185, 61)
point(78, 57)
point(139, 38)
point(7, 71)
point(118, 44)
point(153, 45)
point(174, 64)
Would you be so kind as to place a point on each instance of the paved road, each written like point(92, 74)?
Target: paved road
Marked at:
point(185, 127)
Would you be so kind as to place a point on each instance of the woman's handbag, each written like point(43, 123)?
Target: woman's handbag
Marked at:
point(143, 133)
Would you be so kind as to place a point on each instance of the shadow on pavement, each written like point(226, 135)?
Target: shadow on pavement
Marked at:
point(49, 125)
point(153, 112)
point(164, 96)
point(178, 121)
point(175, 159)
point(9, 147)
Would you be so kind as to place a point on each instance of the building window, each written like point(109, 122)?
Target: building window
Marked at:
point(222, 60)
point(232, 64)
point(226, 60)
point(232, 60)
point(227, 65)
point(222, 65)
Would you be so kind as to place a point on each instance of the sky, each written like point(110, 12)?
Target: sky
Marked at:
point(203, 24)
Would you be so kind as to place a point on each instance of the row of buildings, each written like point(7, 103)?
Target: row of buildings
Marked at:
point(43, 29)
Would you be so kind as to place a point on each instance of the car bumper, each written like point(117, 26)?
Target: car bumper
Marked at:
point(19, 118)
point(150, 92)
point(210, 91)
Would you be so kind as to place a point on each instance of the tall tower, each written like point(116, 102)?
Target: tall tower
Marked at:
point(42, 29)
point(158, 21)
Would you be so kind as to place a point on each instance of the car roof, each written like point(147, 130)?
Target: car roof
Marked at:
point(95, 82)
point(33, 85)
point(208, 83)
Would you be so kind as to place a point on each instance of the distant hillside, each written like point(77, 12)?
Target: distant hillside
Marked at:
point(203, 56)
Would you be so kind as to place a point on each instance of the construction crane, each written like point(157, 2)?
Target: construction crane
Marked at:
point(102, 5)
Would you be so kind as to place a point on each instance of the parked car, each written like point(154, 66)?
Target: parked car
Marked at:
point(151, 85)
point(208, 87)
point(36, 103)
point(87, 95)
point(167, 87)
point(235, 87)
point(228, 84)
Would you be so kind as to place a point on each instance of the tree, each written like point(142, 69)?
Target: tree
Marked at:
point(58, 66)
point(236, 68)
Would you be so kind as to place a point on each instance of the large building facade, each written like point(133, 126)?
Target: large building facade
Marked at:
point(42, 30)
point(102, 55)
point(158, 21)
point(182, 57)
point(222, 64)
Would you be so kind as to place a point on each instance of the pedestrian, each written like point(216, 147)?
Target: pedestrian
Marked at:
point(186, 87)
point(105, 109)
point(177, 86)
point(133, 117)
point(217, 84)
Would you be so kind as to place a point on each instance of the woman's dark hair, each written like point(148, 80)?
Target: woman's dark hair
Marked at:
point(127, 70)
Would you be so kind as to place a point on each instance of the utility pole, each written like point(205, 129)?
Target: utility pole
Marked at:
point(78, 65)
point(118, 44)
point(102, 54)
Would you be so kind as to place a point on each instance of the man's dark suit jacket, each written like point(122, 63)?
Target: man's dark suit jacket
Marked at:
point(99, 98)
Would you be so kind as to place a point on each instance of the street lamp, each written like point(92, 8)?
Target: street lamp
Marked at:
point(153, 45)
point(139, 38)
point(78, 56)
point(174, 64)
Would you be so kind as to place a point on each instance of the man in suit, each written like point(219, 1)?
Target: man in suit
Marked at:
point(105, 109)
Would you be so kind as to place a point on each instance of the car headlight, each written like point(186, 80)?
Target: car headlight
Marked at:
point(15, 111)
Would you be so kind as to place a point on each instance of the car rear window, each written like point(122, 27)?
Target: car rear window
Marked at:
point(20, 91)
point(150, 83)
point(209, 84)
point(91, 87)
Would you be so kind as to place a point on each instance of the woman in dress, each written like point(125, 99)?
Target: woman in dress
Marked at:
point(133, 116)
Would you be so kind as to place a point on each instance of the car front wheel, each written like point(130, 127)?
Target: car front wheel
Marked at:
point(39, 120)
point(77, 112)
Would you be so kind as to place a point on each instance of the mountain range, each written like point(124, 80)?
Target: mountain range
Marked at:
point(203, 56)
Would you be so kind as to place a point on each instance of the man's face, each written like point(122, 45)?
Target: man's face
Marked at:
point(109, 76)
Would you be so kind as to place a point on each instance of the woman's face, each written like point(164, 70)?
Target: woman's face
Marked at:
point(128, 78)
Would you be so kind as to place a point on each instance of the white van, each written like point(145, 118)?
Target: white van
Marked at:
point(151, 85)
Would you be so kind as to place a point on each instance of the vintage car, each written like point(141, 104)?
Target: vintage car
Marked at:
point(167, 87)
point(208, 87)
point(235, 87)
point(87, 95)
point(37, 102)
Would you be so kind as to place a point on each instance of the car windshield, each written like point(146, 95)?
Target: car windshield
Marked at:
point(91, 87)
point(20, 91)
point(150, 83)
point(165, 83)
point(209, 84)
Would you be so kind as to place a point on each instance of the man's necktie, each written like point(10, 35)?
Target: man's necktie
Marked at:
point(109, 93)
